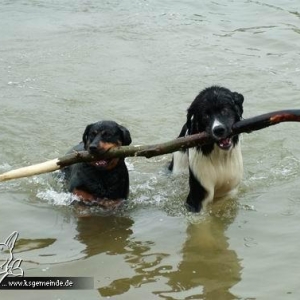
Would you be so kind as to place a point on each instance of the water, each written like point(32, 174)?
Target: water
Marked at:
point(65, 64)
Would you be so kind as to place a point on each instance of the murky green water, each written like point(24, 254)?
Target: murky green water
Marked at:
point(64, 64)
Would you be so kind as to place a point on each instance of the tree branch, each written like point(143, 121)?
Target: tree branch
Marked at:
point(266, 120)
point(246, 125)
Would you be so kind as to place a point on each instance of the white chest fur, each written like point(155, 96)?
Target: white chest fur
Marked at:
point(219, 173)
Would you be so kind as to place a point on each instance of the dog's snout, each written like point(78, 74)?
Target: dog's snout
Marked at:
point(99, 146)
point(94, 144)
point(219, 131)
point(93, 148)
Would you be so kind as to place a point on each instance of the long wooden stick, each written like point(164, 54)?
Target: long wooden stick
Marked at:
point(266, 120)
point(246, 125)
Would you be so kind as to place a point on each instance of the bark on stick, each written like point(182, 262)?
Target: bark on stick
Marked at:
point(246, 125)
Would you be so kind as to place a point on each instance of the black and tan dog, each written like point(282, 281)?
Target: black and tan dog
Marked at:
point(104, 182)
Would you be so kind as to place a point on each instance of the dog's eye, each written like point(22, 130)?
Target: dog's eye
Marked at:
point(206, 115)
point(93, 134)
point(224, 111)
point(106, 134)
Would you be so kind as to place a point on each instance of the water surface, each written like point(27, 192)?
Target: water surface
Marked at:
point(65, 64)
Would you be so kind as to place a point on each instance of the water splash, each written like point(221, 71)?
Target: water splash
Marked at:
point(56, 198)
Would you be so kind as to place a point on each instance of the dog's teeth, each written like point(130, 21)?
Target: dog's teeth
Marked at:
point(101, 163)
point(225, 143)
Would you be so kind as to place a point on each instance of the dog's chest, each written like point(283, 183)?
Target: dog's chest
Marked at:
point(220, 172)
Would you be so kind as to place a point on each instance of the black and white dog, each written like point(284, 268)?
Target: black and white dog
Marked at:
point(216, 169)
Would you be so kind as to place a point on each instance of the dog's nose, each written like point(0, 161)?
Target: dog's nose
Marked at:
point(219, 131)
point(93, 148)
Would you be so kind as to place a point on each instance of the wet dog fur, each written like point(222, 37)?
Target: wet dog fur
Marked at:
point(216, 169)
point(104, 182)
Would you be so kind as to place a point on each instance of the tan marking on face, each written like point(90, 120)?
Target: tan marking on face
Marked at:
point(106, 146)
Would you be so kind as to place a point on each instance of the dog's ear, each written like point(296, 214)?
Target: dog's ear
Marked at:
point(126, 138)
point(189, 119)
point(238, 103)
point(86, 134)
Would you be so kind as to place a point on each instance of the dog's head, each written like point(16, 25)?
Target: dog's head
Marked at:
point(102, 136)
point(214, 111)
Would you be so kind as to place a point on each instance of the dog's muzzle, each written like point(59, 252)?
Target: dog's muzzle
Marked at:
point(219, 133)
point(98, 147)
point(225, 144)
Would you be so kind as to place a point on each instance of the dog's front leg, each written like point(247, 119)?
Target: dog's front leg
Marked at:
point(196, 195)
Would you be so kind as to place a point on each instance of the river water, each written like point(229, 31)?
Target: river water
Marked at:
point(65, 64)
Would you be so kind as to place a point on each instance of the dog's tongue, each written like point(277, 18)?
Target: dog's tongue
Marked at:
point(225, 143)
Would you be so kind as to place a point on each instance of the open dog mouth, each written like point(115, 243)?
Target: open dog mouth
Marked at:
point(103, 163)
point(225, 144)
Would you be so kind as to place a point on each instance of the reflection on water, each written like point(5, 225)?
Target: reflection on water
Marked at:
point(147, 268)
point(208, 269)
point(107, 234)
point(32, 244)
point(67, 63)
